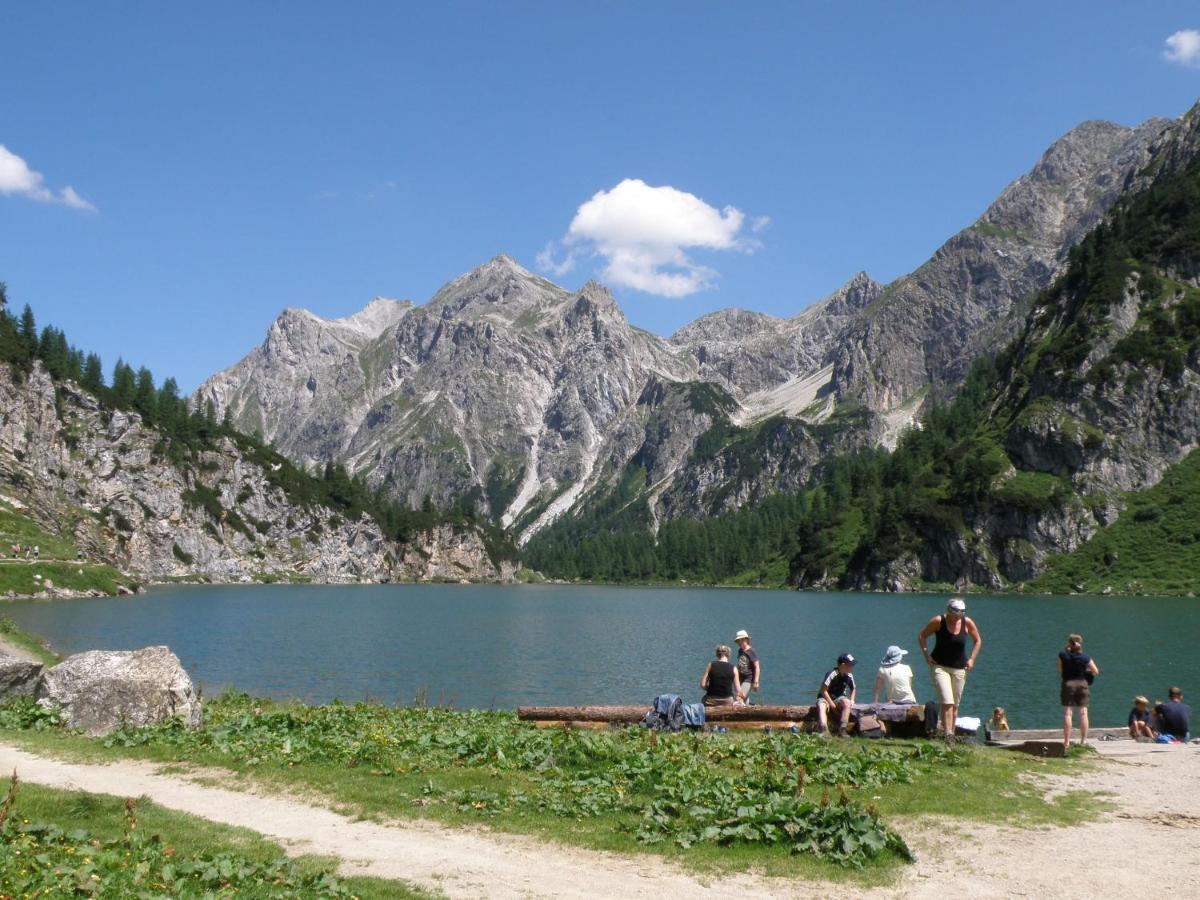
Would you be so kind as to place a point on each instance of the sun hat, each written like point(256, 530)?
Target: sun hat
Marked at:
point(741, 635)
point(1140, 699)
point(957, 605)
point(892, 656)
point(847, 659)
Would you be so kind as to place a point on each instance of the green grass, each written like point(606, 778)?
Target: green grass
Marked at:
point(103, 818)
point(10, 633)
point(60, 564)
point(1153, 548)
point(17, 528)
point(681, 797)
point(23, 578)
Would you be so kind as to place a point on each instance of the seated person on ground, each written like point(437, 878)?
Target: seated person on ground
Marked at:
point(1139, 720)
point(1174, 717)
point(999, 720)
point(720, 680)
point(837, 693)
point(895, 678)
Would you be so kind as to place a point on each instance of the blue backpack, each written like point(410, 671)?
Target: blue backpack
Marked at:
point(666, 715)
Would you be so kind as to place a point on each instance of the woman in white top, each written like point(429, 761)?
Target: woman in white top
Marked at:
point(895, 678)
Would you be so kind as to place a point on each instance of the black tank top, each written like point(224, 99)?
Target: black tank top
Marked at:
point(950, 650)
point(720, 680)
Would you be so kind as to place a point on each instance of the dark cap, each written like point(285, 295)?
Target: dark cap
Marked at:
point(847, 659)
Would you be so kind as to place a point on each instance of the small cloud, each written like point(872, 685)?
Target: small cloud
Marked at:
point(760, 224)
point(547, 263)
point(1183, 47)
point(644, 234)
point(17, 178)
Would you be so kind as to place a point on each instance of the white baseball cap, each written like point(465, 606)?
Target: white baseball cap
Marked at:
point(741, 636)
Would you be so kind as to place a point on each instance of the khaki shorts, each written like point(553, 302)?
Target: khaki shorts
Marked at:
point(948, 684)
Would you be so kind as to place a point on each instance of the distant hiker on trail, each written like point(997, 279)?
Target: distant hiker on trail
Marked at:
point(748, 666)
point(949, 662)
point(37, 552)
point(1173, 719)
point(720, 680)
point(1140, 728)
point(837, 693)
point(1078, 669)
point(894, 678)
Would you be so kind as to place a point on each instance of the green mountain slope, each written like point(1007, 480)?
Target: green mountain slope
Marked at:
point(1066, 454)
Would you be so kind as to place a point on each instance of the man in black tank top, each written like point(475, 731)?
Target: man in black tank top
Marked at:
point(949, 662)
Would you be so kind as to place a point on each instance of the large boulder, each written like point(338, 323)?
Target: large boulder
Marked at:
point(101, 690)
point(18, 677)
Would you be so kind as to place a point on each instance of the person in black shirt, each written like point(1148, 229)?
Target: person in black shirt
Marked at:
point(1078, 669)
point(720, 680)
point(1139, 720)
point(748, 666)
point(1174, 717)
point(838, 691)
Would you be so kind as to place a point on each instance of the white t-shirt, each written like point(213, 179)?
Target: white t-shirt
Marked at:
point(897, 683)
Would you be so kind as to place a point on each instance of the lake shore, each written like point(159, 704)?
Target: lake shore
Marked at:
point(991, 823)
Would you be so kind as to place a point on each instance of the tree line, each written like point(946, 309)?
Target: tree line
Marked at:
point(185, 432)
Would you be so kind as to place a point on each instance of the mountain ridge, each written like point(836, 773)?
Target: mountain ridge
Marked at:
point(522, 400)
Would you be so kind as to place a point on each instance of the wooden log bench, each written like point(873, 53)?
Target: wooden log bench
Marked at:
point(734, 718)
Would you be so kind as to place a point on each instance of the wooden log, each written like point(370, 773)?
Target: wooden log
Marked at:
point(582, 713)
point(914, 714)
point(761, 725)
point(637, 713)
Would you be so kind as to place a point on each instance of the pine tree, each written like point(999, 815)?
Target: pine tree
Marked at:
point(144, 394)
point(93, 374)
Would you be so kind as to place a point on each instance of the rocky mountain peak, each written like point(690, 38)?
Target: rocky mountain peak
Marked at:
point(376, 317)
point(498, 288)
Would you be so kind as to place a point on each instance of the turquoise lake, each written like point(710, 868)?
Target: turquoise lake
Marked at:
point(501, 646)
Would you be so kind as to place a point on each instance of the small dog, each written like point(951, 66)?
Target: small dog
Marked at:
point(999, 719)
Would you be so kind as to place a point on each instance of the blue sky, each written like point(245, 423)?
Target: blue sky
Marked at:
point(245, 157)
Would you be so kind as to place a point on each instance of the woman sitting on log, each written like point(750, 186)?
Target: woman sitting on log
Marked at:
point(720, 680)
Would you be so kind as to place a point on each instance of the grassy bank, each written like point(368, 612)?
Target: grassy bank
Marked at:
point(58, 564)
point(784, 804)
point(11, 634)
point(71, 843)
point(1153, 548)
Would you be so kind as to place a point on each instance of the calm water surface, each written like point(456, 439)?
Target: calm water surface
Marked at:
point(484, 646)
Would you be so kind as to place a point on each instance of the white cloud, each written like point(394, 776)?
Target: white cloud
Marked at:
point(17, 178)
point(760, 224)
point(644, 234)
point(1183, 47)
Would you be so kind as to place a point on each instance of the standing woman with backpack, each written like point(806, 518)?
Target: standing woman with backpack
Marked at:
point(1078, 671)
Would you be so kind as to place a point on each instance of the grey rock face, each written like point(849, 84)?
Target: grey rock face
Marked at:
point(97, 475)
point(18, 677)
point(101, 690)
point(927, 327)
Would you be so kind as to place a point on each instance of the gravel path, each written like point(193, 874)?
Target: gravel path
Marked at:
point(1155, 831)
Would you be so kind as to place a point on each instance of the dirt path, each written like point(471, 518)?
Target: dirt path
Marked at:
point(1147, 845)
point(1155, 830)
point(9, 649)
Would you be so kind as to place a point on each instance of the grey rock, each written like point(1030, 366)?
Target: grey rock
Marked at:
point(18, 677)
point(101, 690)
point(96, 474)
